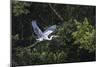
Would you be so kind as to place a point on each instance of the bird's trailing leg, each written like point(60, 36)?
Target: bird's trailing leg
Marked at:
point(31, 46)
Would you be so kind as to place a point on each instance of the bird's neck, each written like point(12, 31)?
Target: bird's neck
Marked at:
point(51, 37)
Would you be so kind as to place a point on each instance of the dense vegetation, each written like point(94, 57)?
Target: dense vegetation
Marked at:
point(75, 26)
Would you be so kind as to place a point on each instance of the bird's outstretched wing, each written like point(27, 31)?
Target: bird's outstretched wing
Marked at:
point(49, 30)
point(36, 29)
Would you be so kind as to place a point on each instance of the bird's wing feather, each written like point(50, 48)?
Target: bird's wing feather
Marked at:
point(49, 30)
point(36, 29)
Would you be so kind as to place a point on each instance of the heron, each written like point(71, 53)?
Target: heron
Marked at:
point(43, 35)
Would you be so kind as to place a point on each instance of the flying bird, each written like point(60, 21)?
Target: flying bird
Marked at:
point(43, 35)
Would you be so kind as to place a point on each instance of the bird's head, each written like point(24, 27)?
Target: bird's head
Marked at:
point(54, 36)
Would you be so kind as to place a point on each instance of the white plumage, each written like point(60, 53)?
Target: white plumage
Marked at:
point(43, 35)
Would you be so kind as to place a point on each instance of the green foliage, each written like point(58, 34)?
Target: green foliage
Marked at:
point(85, 35)
point(20, 8)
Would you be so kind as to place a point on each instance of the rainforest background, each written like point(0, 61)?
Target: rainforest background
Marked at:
point(76, 26)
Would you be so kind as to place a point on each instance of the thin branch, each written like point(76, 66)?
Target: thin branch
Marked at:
point(54, 10)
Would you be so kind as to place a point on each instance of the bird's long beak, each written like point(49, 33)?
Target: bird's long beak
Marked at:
point(56, 36)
